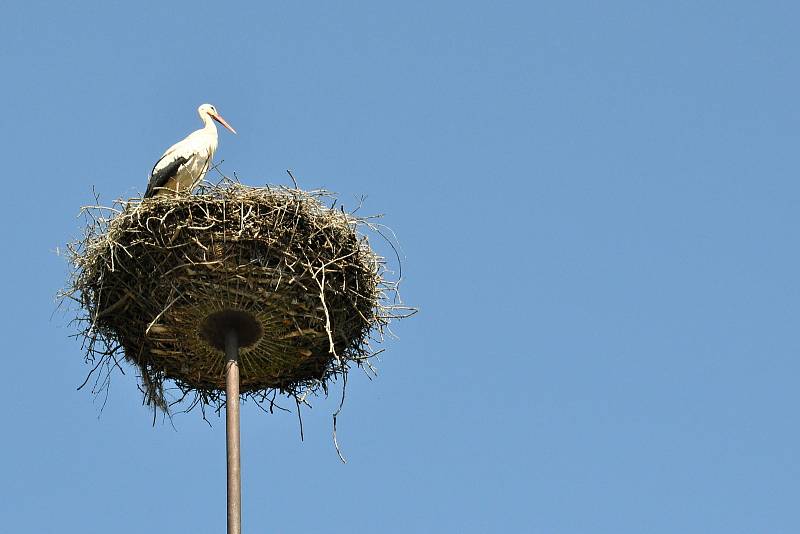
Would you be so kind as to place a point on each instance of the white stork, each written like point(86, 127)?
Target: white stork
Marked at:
point(185, 163)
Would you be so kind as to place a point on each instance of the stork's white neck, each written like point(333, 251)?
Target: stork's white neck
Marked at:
point(208, 122)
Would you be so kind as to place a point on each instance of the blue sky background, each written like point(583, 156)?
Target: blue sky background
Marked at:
point(598, 206)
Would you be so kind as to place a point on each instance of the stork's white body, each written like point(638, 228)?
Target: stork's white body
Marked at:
point(198, 148)
point(185, 163)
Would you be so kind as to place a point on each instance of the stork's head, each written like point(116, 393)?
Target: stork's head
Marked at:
point(211, 111)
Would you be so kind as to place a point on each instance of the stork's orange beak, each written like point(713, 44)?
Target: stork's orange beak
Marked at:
point(220, 120)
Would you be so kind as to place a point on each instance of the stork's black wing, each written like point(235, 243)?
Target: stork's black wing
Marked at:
point(159, 178)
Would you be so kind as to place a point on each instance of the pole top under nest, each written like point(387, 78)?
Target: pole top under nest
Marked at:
point(161, 281)
point(218, 325)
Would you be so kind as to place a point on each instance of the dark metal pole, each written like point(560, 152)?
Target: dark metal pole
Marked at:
point(232, 431)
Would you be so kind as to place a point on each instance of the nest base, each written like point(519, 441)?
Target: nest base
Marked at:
point(162, 281)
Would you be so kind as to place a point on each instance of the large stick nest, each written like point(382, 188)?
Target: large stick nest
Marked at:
point(147, 275)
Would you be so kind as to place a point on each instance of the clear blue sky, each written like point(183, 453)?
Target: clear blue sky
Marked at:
point(599, 207)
